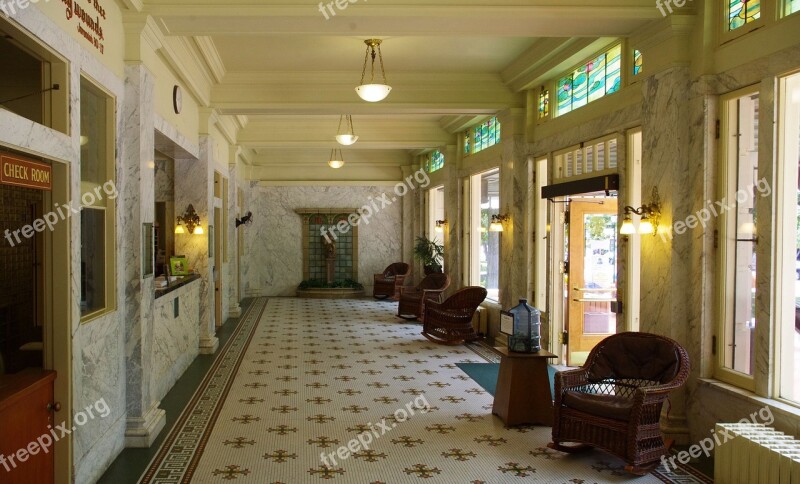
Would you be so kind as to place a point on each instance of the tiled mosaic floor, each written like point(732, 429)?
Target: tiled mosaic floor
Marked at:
point(303, 377)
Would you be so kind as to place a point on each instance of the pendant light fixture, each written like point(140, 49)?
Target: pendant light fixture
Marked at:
point(349, 137)
point(337, 160)
point(372, 91)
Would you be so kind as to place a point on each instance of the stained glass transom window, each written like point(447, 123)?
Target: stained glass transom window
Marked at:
point(589, 82)
point(637, 62)
point(483, 136)
point(791, 6)
point(544, 103)
point(435, 161)
point(741, 12)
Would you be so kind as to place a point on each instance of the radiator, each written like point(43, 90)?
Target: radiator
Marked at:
point(755, 454)
point(480, 321)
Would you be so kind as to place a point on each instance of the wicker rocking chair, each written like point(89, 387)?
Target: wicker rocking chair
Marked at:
point(389, 282)
point(450, 322)
point(412, 299)
point(614, 401)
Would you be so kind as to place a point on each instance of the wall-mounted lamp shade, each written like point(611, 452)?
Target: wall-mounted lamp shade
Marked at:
point(496, 224)
point(84, 140)
point(179, 229)
point(646, 226)
point(372, 91)
point(627, 227)
point(439, 228)
point(198, 230)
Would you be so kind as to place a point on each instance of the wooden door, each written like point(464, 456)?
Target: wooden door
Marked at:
point(592, 276)
point(26, 442)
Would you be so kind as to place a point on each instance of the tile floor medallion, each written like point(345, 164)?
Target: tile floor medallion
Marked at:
point(304, 377)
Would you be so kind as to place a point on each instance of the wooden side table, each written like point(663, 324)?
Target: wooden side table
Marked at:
point(523, 388)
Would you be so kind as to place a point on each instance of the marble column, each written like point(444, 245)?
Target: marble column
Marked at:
point(232, 276)
point(513, 203)
point(137, 202)
point(453, 213)
point(194, 182)
point(667, 272)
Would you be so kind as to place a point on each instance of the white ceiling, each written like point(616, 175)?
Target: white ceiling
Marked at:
point(289, 72)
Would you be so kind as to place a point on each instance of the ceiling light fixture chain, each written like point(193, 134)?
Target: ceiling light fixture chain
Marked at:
point(372, 91)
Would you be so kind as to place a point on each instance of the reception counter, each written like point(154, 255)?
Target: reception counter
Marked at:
point(176, 333)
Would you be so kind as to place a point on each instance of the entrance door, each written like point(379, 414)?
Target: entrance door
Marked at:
point(592, 275)
point(218, 266)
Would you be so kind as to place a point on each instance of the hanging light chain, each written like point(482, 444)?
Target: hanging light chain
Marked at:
point(371, 44)
point(380, 57)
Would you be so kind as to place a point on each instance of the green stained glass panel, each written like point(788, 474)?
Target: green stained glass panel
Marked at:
point(597, 78)
point(497, 131)
point(467, 147)
point(436, 161)
point(637, 62)
point(580, 84)
point(741, 12)
point(544, 104)
point(613, 61)
point(564, 95)
point(792, 6)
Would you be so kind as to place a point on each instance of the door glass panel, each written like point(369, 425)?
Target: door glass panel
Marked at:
point(599, 273)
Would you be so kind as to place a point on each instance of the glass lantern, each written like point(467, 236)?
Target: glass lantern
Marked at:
point(526, 336)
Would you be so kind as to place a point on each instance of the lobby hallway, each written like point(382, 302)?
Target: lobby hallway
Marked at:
point(303, 377)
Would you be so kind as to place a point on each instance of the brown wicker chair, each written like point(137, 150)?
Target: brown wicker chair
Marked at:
point(450, 322)
point(412, 299)
point(614, 401)
point(388, 283)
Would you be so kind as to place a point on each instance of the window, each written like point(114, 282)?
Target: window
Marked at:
point(544, 103)
point(594, 158)
point(435, 161)
point(791, 6)
point(485, 244)
point(637, 62)
point(589, 82)
point(739, 149)
point(97, 204)
point(482, 136)
point(788, 238)
point(742, 12)
point(435, 212)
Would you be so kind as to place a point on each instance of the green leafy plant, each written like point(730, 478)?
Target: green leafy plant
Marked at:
point(430, 253)
point(320, 284)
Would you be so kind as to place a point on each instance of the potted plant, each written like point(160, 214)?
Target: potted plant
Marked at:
point(430, 253)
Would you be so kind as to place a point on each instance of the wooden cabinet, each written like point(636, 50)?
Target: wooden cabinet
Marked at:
point(25, 414)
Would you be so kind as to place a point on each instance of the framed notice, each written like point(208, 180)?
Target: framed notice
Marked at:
point(506, 323)
point(178, 266)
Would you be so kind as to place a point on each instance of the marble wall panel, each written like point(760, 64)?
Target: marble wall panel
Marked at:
point(176, 340)
point(273, 261)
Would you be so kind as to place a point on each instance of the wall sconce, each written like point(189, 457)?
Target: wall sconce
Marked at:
point(246, 220)
point(440, 226)
point(497, 222)
point(191, 220)
point(650, 213)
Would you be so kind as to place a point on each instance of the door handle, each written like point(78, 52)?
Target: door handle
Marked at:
point(54, 407)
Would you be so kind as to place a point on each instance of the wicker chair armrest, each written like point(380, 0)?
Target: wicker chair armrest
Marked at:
point(400, 279)
point(657, 392)
point(432, 294)
point(564, 380)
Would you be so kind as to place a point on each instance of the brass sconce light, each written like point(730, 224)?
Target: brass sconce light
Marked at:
point(497, 222)
point(650, 213)
point(191, 220)
point(440, 226)
point(247, 219)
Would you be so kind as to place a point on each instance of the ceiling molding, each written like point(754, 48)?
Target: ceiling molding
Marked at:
point(185, 61)
point(212, 58)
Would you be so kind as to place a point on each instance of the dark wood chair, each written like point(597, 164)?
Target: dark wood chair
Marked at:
point(450, 322)
point(388, 282)
point(613, 402)
point(412, 299)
